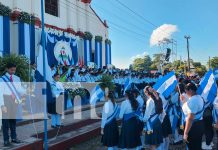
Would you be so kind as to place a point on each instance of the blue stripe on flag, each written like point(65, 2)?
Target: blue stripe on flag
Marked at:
point(162, 80)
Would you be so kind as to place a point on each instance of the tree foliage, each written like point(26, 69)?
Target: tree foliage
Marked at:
point(214, 62)
point(22, 63)
point(142, 63)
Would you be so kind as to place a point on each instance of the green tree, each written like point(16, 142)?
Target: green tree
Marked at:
point(214, 62)
point(142, 63)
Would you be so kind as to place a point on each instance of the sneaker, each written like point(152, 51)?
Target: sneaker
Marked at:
point(206, 147)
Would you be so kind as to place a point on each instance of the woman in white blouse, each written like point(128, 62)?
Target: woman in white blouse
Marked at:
point(109, 127)
point(193, 110)
point(130, 131)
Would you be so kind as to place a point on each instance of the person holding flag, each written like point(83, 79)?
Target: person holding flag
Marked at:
point(109, 127)
point(11, 96)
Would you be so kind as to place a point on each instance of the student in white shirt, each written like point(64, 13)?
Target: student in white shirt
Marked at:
point(153, 128)
point(9, 97)
point(193, 110)
point(55, 107)
point(109, 127)
point(130, 132)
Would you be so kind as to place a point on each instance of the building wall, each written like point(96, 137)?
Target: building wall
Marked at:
point(73, 14)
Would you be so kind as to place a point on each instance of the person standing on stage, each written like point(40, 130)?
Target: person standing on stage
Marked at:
point(193, 110)
point(109, 127)
point(11, 94)
point(55, 106)
point(130, 132)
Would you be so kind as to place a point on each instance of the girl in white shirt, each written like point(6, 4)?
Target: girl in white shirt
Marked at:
point(130, 132)
point(193, 110)
point(109, 127)
point(153, 128)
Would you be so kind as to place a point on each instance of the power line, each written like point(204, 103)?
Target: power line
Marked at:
point(96, 20)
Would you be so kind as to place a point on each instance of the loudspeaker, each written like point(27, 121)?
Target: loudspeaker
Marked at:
point(167, 58)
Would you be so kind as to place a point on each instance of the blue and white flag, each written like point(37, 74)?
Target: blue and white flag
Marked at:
point(167, 84)
point(127, 85)
point(97, 94)
point(208, 88)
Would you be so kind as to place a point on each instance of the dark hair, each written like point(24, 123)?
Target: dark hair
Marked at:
point(191, 86)
point(56, 74)
point(158, 102)
point(182, 88)
point(11, 65)
point(134, 91)
point(133, 101)
point(111, 97)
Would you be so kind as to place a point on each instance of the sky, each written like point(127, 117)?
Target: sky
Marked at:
point(133, 36)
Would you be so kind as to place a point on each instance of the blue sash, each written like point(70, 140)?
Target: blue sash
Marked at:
point(136, 113)
point(12, 88)
point(215, 115)
point(113, 115)
point(149, 124)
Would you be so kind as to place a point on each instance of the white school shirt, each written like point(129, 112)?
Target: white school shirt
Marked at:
point(108, 110)
point(150, 109)
point(193, 106)
point(4, 90)
point(56, 89)
point(125, 108)
point(140, 101)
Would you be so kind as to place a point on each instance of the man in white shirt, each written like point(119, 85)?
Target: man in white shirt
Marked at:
point(11, 94)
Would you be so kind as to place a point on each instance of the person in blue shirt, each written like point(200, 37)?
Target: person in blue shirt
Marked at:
point(55, 107)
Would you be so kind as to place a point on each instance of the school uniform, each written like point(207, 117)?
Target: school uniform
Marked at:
point(10, 96)
point(110, 137)
point(56, 105)
point(153, 128)
point(195, 105)
point(130, 132)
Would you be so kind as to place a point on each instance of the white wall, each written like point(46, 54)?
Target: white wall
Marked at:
point(74, 14)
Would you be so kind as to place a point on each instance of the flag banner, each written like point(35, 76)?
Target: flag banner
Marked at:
point(5, 35)
point(61, 50)
point(166, 85)
point(208, 88)
point(96, 95)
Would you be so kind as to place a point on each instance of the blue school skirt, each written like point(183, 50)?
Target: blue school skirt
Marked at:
point(111, 134)
point(156, 137)
point(130, 134)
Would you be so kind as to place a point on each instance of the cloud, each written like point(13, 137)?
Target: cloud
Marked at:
point(162, 33)
point(138, 56)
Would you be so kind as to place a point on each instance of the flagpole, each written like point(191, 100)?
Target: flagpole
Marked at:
point(44, 74)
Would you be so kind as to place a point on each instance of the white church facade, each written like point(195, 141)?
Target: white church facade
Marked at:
point(75, 34)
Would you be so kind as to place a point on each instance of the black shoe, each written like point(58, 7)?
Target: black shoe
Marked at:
point(7, 144)
point(54, 127)
point(16, 141)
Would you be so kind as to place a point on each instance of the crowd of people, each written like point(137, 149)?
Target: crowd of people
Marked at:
point(149, 119)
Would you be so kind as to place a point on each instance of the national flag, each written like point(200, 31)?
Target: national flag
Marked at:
point(97, 94)
point(167, 84)
point(127, 85)
point(208, 88)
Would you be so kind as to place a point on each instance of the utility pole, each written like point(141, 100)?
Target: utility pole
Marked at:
point(187, 39)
